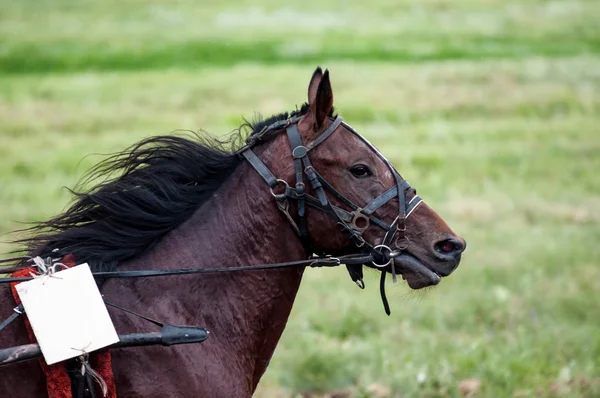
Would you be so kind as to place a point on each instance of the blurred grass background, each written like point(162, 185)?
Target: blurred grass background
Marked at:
point(491, 108)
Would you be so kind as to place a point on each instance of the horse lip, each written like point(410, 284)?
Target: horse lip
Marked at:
point(415, 272)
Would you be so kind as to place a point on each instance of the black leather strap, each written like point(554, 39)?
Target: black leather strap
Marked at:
point(311, 262)
point(315, 182)
point(386, 305)
point(260, 167)
point(298, 153)
point(335, 192)
point(380, 201)
point(324, 135)
point(17, 311)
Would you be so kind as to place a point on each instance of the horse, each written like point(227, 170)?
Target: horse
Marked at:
point(301, 183)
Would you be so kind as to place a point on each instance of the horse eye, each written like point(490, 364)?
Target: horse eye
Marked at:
point(360, 171)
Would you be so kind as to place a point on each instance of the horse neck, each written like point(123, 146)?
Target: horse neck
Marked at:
point(239, 225)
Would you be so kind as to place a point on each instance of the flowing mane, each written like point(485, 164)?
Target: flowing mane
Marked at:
point(145, 192)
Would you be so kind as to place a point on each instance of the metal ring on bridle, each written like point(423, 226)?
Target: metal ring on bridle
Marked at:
point(279, 181)
point(401, 245)
point(382, 247)
point(360, 217)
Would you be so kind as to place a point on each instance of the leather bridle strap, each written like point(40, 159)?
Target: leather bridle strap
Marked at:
point(298, 152)
point(260, 168)
point(324, 135)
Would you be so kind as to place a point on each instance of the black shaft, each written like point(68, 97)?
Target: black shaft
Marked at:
point(170, 335)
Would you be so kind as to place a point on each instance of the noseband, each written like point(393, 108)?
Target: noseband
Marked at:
point(355, 221)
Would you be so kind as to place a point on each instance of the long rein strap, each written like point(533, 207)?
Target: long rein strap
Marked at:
point(313, 262)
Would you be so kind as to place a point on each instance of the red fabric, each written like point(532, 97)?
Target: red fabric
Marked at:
point(58, 381)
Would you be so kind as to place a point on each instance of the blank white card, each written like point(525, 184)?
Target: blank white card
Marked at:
point(67, 313)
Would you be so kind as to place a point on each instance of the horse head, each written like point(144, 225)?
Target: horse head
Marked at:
point(365, 205)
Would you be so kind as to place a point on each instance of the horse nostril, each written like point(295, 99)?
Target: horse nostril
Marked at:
point(449, 248)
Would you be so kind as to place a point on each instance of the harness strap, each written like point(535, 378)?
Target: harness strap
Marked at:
point(386, 305)
point(315, 181)
point(298, 152)
point(332, 209)
point(380, 200)
point(260, 167)
point(356, 274)
point(313, 262)
point(324, 135)
point(272, 127)
point(153, 321)
point(17, 311)
point(334, 191)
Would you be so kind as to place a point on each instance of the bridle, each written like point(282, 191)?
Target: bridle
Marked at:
point(356, 220)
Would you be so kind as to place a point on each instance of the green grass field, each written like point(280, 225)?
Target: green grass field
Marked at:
point(491, 108)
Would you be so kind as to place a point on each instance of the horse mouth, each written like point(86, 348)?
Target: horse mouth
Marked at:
point(415, 272)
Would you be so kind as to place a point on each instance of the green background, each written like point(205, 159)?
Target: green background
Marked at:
point(491, 108)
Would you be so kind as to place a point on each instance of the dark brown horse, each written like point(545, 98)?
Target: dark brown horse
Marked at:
point(184, 203)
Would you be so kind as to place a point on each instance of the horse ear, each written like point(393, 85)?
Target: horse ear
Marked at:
point(324, 100)
point(322, 104)
point(314, 84)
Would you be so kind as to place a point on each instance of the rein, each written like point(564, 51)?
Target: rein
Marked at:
point(313, 262)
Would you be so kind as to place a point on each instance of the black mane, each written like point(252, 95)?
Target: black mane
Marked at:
point(145, 191)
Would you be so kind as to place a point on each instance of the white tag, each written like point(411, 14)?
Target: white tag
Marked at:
point(67, 313)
